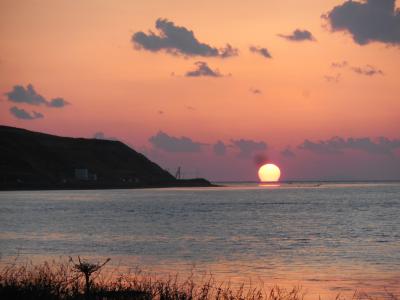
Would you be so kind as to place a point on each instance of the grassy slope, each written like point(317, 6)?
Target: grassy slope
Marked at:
point(32, 159)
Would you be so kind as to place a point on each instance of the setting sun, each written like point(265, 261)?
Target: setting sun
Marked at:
point(269, 173)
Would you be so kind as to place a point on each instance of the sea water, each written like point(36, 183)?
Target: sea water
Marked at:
point(329, 238)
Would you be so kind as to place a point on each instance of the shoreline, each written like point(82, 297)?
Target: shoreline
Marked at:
point(184, 183)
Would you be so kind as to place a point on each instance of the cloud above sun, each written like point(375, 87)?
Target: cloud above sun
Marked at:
point(219, 148)
point(244, 148)
point(337, 145)
point(165, 142)
point(368, 21)
point(178, 40)
point(248, 147)
point(288, 152)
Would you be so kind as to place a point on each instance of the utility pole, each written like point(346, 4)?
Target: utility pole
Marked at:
point(178, 173)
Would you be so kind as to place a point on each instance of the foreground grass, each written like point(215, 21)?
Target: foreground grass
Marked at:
point(83, 280)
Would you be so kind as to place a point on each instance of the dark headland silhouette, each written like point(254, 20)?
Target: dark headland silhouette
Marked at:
point(34, 160)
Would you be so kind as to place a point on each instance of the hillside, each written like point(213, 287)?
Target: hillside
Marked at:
point(33, 160)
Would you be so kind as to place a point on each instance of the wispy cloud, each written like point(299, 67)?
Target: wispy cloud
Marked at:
point(203, 70)
point(333, 78)
point(298, 35)
point(28, 95)
point(340, 64)
point(261, 51)
point(367, 70)
point(22, 114)
point(255, 91)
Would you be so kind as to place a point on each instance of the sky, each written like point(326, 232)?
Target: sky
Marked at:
point(215, 87)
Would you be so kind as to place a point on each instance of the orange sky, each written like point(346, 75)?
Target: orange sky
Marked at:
point(82, 51)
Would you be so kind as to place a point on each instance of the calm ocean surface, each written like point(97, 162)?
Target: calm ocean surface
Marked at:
point(330, 238)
